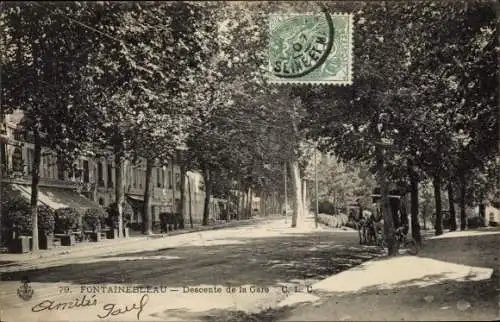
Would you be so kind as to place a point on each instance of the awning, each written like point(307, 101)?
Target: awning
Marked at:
point(136, 202)
point(135, 198)
point(57, 198)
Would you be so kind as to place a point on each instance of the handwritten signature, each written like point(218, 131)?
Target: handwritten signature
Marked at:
point(49, 305)
point(110, 309)
point(114, 309)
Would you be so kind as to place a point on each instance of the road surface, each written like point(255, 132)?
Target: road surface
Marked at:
point(186, 277)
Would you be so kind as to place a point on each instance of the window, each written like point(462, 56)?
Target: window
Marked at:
point(110, 175)
point(86, 173)
point(3, 155)
point(170, 180)
point(100, 176)
point(60, 169)
point(52, 166)
point(30, 155)
point(47, 166)
point(17, 160)
point(158, 177)
point(177, 181)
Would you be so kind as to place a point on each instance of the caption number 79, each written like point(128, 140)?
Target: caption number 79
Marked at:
point(64, 289)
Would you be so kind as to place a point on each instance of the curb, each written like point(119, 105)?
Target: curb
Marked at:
point(203, 228)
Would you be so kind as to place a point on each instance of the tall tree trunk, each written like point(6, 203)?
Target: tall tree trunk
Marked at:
point(297, 215)
point(415, 225)
point(265, 206)
point(403, 211)
point(182, 190)
point(206, 206)
point(173, 188)
point(146, 211)
point(2, 158)
point(244, 206)
point(463, 216)
point(244, 201)
point(35, 180)
point(389, 232)
point(228, 206)
point(248, 204)
point(190, 202)
point(424, 217)
point(482, 207)
point(119, 188)
point(262, 203)
point(482, 210)
point(437, 198)
point(304, 197)
point(453, 219)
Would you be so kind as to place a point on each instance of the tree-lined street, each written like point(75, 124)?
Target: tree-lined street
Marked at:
point(263, 257)
point(323, 135)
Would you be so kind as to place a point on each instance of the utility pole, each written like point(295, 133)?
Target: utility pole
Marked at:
point(316, 188)
point(286, 197)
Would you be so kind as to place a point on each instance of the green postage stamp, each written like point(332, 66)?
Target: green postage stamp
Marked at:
point(310, 49)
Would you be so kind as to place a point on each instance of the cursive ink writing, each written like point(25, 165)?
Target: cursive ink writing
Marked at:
point(49, 305)
point(113, 309)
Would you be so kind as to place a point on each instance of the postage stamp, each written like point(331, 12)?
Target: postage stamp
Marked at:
point(310, 48)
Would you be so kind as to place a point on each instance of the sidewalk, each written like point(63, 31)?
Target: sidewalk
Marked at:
point(455, 277)
point(10, 262)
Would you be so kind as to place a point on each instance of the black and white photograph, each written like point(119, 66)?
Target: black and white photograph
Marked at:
point(245, 161)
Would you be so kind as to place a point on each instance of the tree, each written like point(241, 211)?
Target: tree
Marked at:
point(459, 83)
point(161, 127)
point(341, 183)
point(137, 75)
point(352, 129)
point(402, 73)
point(156, 140)
point(228, 66)
point(43, 56)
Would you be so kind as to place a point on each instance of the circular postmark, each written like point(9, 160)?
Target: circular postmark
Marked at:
point(299, 44)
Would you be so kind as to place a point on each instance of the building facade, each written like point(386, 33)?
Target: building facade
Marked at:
point(94, 178)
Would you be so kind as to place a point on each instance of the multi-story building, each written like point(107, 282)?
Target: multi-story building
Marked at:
point(93, 181)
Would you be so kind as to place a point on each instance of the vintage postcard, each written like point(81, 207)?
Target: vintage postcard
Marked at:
point(249, 161)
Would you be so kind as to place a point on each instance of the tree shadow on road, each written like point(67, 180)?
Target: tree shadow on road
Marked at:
point(260, 261)
point(404, 302)
point(474, 250)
